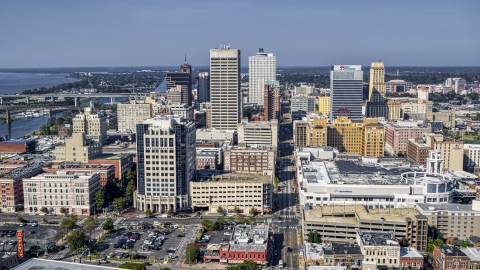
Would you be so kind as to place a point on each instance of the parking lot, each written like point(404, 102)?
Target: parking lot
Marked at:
point(216, 237)
point(39, 235)
point(172, 240)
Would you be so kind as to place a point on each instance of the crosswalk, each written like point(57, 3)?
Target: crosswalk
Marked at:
point(56, 257)
point(288, 216)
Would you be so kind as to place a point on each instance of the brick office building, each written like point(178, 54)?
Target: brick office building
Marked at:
point(449, 257)
point(17, 146)
point(11, 186)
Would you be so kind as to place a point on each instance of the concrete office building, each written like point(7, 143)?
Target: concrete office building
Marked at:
point(255, 160)
point(258, 133)
point(346, 91)
point(324, 105)
point(225, 94)
point(181, 80)
point(303, 103)
point(261, 68)
point(72, 191)
point(174, 95)
point(94, 125)
point(165, 164)
point(271, 100)
point(457, 84)
point(452, 151)
point(211, 189)
point(303, 89)
point(203, 87)
point(398, 133)
point(78, 148)
point(129, 115)
point(377, 81)
point(453, 220)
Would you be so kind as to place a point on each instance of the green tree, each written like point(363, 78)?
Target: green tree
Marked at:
point(404, 242)
point(45, 220)
point(208, 225)
point(43, 209)
point(276, 182)
point(131, 187)
point(170, 212)
point(20, 219)
point(149, 212)
point(235, 210)
point(191, 252)
point(133, 266)
point(201, 123)
point(240, 219)
point(62, 210)
point(69, 223)
point(118, 204)
point(107, 225)
point(76, 240)
point(465, 243)
point(230, 219)
point(250, 220)
point(245, 265)
point(432, 243)
point(90, 224)
point(221, 220)
point(131, 175)
point(219, 210)
point(252, 211)
point(99, 198)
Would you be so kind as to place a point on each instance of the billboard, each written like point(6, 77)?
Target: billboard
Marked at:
point(20, 244)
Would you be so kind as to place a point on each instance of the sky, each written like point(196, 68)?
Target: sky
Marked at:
point(92, 33)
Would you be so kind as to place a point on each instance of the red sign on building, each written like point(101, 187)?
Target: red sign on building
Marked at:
point(20, 244)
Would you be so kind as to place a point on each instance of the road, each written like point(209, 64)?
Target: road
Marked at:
point(286, 229)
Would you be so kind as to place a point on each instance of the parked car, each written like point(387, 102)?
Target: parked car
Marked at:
point(227, 233)
point(22, 224)
point(200, 245)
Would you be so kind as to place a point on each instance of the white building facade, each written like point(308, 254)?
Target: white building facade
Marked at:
point(261, 68)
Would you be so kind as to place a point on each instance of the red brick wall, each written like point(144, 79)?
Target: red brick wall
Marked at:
point(12, 147)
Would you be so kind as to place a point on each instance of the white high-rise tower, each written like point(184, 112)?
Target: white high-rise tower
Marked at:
point(261, 68)
point(225, 95)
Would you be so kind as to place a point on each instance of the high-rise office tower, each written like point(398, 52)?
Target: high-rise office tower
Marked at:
point(261, 68)
point(184, 79)
point(346, 91)
point(225, 95)
point(165, 163)
point(377, 81)
point(271, 106)
point(203, 87)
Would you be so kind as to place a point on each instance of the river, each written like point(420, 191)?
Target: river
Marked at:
point(13, 83)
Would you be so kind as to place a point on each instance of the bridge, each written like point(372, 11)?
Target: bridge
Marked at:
point(51, 109)
point(76, 97)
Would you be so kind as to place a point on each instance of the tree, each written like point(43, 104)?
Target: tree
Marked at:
point(220, 210)
point(170, 212)
point(208, 225)
point(118, 203)
point(276, 182)
point(201, 123)
point(404, 242)
point(432, 243)
point(465, 243)
point(250, 220)
point(235, 210)
point(90, 224)
point(220, 220)
point(131, 175)
point(45, 220)
point(43, 209)
point(69, 223)
point(108, 225)
point(62, 210)
point(76, 240)
point(240, 219)
point(133, 266)
point(191, 252)
point(252, 211)
point(130, 189)
point(245, 265)
point(20, 219)
point(231, 219)
point(149, 212)
point(99, 198)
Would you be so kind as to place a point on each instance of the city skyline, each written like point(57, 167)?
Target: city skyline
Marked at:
point(52, 34)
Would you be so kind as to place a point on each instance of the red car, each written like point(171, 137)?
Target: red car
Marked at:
point(200, 245)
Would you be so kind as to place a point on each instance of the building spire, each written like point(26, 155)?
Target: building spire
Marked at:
point(185, 58)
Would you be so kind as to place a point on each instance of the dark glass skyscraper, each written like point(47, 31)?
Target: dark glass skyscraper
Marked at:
point(346, 91)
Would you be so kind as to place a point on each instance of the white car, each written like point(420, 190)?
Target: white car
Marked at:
point(34, 224)
point(22, 224)
point(227, 233)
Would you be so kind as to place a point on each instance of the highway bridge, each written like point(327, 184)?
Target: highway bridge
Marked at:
point(76, 97)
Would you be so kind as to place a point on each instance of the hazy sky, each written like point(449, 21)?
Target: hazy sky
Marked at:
point(300, 33)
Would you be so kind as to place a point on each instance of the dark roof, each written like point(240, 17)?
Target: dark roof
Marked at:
point(450, 250)
point(343, 248)
point(474, 239)
point(345, 166)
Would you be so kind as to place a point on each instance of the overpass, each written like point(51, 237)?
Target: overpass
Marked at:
point(76, 97)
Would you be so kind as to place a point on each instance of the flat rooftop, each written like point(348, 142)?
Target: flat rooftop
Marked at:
point(111, 156)
point(409, 252)
point(249, 238)
point(348, 214)
point(449, 250)
point(370, 238)
point(79, 165)
point(217, 176)
point(40, 264)
point(447, 206)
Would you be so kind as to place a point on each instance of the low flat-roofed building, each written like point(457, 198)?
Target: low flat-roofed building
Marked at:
point(8, 260)
point(36, 264)
point(255, 160)
point(327, 267)
point(248, 242)
point(261, 133)
point(8, 165)
point(398, 133)
point(215, 134)
point(11, 186)
point(106, 171)
point(380, 247)
point(473, 254)
point(417, 151)
point(343, 254)
point(211, 189)
point(341, 223)
point(446, 217)
point(449, 257)
point(17, 146)
point(206, 160)
point(410, 258)
point(73, 192)
point(123, 163)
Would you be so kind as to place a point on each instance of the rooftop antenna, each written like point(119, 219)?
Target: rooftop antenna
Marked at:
point(185, 57)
